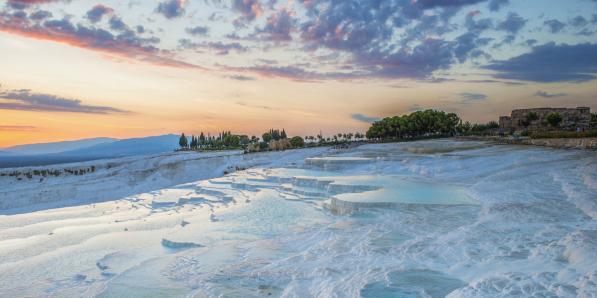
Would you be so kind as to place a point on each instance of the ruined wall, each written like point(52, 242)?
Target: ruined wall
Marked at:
point(505, 123)
point(571, 119)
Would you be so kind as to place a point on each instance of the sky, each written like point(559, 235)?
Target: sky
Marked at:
point(80, 69)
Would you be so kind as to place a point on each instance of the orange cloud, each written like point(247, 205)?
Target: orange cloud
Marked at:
point(62, 31)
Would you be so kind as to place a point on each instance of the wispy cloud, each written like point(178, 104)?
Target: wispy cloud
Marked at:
point(549, 95)
point(550, 63)
point(96, 13)
point(22, 4)
point(219, 48)
point(244, 104)
point(512, 24)
point(171, 8)
point(495, 5)
point(197, 30)
point(471, 97)
point(292, 72)
point(17, 128)
point(25, 100)
point(241, 78)
point(363, 118)
point(278, 26)
point(248, 11)
point(554, 25)
point(493, 82)
point(125, 43)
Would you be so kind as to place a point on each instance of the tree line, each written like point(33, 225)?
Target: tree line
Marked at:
point(274, 134)
point(419, 124)
point(340, 137)
point(428, 123)
point(273, 139)
point(224, 140)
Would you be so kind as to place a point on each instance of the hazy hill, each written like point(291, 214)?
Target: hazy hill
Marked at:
point(107, 149)
point(6, 153)
point(135, 146)
point(56, 147)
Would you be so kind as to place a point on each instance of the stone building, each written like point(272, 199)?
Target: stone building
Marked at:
point(536, 119)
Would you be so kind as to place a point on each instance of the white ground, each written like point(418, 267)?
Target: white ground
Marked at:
point(461, 219)
point(117, 178)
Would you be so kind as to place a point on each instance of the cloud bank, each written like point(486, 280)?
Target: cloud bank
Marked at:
point(25, 100)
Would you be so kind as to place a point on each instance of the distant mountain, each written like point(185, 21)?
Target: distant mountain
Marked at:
point(56, 147)
point(6, 153)
point(108, 149)
point(126, 147)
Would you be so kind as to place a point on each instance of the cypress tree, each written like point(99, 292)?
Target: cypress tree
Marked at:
point(193, 142)
point(183, 142)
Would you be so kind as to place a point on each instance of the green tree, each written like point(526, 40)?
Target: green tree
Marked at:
point(263, 146)
point(201, 141)
point(244, 141)
point(554, 119)
point(297, 142)
point(275, 134)
point(492, 125)
point(267, 137)
point(452, 120)
point(183, 142)
point(416, 124)
point(465, 127)
point(193, 142)
point(231, 141)
point(283, 134)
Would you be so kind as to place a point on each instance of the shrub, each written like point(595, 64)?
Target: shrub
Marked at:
point(554, 119)
point(267, 137)
point(297, 142)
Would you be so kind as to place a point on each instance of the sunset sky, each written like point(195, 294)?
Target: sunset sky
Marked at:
point(79, 69)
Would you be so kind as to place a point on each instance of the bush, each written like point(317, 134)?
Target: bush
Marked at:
point(554, 119)
point(267, 137)
point(297, 142)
